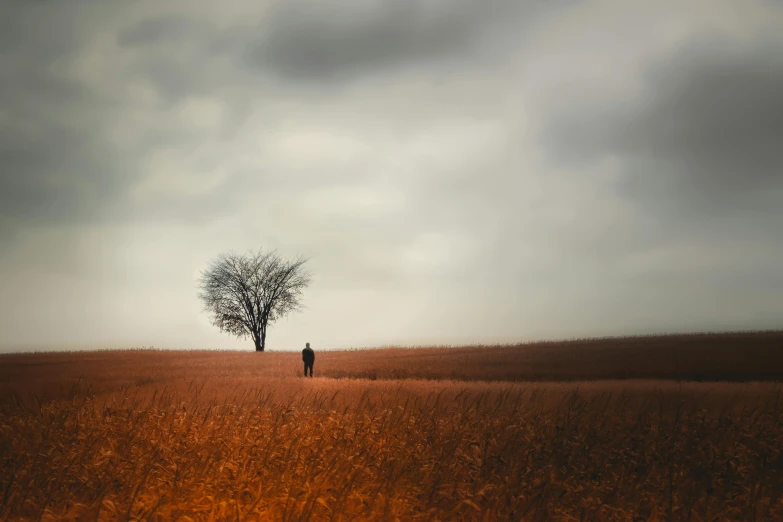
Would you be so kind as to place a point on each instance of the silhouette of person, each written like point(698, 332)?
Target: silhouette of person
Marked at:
point(308, 356)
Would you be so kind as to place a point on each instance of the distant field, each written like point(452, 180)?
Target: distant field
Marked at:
point(399, 434)
point(711, 357)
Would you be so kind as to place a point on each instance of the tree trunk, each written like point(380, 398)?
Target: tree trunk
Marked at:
point(263, 338)
point(259, 343)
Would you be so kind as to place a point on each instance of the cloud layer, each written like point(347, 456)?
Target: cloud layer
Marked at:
point(457, 172)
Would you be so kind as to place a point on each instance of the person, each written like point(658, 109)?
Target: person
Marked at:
point(308, 356)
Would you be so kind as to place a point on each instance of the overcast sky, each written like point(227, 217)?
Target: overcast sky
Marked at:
point(458, 171)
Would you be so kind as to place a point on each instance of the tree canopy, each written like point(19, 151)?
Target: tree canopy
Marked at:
point(245, 293)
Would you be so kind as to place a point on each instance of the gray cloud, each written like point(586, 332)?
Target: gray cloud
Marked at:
point(717, 119)
point(488, 171)
point(309, 40)
point(74, 137)
point(705, 130)
point(54, 163)
point(162, 29)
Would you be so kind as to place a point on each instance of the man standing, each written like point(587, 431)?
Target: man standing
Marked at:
point(308, 356)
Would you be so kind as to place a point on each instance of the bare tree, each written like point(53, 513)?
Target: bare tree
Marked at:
point(245, 293)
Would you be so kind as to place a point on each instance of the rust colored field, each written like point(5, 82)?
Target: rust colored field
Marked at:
point(701, 357)
point(151, 435)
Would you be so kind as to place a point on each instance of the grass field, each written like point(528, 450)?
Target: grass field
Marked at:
point(617, 429)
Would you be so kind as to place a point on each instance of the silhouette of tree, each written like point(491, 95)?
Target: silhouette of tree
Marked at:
point(245, 293)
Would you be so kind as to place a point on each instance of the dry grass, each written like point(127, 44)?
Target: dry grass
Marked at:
point(225, 436)
point(705, 357)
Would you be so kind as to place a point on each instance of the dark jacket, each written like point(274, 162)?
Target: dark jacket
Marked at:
point(308, 355)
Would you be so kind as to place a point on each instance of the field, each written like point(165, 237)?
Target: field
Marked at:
point(658, 428)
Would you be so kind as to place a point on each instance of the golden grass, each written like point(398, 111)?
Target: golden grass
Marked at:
point(705, 357)
point(224, 436)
